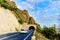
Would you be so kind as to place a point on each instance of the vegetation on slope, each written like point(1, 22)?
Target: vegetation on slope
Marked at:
point(39, 36)
point(5, 4)
point(49, 33)
point(20, 20)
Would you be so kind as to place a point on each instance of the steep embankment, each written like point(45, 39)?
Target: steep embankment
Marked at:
point(11, 16)
point(8, 22)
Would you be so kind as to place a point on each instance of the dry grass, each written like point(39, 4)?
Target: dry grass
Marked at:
point(39, 36)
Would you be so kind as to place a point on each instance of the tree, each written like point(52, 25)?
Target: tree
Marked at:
point(49, 32)
point(38, 28)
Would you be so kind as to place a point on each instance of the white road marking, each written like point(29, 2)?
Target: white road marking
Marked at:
point(7, 37)
point(27, 36)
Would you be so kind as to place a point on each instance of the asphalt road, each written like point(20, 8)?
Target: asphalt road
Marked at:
point(17, 36)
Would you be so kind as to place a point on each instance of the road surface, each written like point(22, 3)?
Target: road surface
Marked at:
point(17, 36)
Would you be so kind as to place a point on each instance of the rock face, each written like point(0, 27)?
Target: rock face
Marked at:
point(8, 21)
point(9, 18)
point(22, 13)
point(11, 3)
point(25, 15)
point(31, 20)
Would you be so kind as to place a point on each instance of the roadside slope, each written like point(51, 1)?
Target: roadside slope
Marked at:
point(8, 22)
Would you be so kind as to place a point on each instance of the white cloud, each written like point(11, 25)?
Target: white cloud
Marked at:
point(25, 5)
point(11, 0)
point(48, 18)
point(35, 1)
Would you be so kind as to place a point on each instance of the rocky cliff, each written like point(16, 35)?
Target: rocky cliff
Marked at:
point(11, 3)
point(22, 13)
point(11, 16)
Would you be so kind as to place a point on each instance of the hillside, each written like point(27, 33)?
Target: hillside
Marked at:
point(11, 16)
point(23, 14)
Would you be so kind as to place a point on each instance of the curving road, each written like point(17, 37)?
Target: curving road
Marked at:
point(17, 36)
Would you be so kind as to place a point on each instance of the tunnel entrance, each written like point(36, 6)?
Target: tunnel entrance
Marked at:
point(31, 27)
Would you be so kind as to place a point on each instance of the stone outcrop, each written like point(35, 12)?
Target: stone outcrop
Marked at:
point(22, 13)
point(31, 20)
point(25, 16)
point(11, 3)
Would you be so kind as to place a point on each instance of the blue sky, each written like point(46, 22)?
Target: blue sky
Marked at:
point(45, 12)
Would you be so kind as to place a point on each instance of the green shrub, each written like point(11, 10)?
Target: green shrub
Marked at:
point(6, 5)
point(16, 29)
point(20, 20)
point(49, 32)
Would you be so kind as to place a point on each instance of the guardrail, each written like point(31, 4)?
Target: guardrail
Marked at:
point(30, 35)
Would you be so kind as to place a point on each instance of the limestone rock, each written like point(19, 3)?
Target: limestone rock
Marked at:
point(8, 21)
